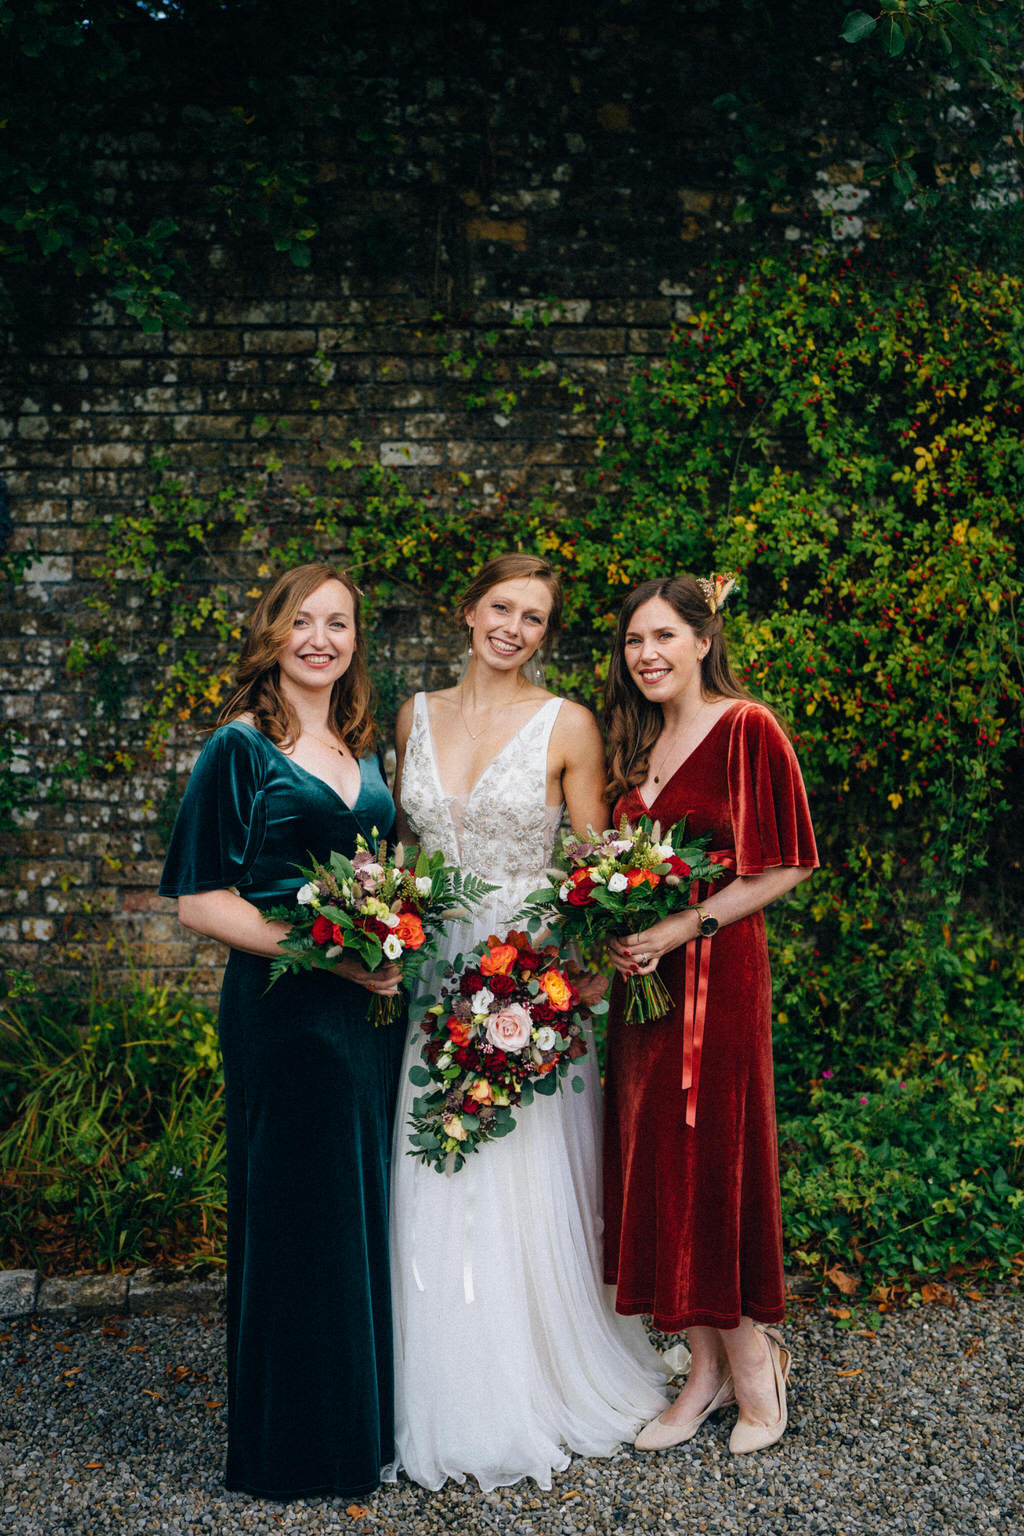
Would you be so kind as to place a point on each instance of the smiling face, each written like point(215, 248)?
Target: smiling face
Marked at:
point(322, 641)
point(508, 624)
point(663, 653)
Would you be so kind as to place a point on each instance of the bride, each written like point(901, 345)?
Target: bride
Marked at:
point(508, 1351)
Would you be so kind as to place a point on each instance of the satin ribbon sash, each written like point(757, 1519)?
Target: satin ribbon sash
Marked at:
point(695, 998)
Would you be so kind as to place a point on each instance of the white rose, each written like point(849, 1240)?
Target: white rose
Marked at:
point(424, 885)
point(563, 891)
point(306, 895)
point(664, 851)
point(481, 1001)
point(444, 1061)
point(392, 947)
point(392, 920)
point(617, 882)
point(546, 1038)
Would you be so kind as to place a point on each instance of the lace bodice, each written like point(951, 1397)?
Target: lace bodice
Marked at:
point(504, 830)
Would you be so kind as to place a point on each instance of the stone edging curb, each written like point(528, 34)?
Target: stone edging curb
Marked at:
point(161, 1292)
point(149, 1292)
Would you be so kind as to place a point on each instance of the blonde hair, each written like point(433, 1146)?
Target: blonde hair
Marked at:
point(257, 690)
point(514, 566)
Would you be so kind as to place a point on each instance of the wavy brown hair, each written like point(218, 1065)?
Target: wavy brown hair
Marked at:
point(257, 690)
point(514, 566)
point(632, 723)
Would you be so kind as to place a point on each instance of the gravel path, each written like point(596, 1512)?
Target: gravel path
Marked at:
point(118, 1425)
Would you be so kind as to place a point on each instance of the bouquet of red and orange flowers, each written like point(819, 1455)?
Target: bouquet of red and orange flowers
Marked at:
point(509, 1023)
point(619, 882)
point(373, 908)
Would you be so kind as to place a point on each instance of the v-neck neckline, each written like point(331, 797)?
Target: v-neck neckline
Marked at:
point(309, 772)
point(726, 713)
point(465, 799)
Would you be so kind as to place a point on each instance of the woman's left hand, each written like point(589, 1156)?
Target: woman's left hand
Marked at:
point(638, 953)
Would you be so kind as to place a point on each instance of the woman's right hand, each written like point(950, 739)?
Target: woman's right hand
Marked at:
point(383, 982)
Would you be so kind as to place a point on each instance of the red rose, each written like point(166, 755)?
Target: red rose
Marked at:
point(529, 960)
point(501, 986)
point(677, 866)
point(323, 931)
point(495, 1061)
point(375, 926)
point(470, 1106)
point(580, 895)
point(542, 1013)
point(471, 983)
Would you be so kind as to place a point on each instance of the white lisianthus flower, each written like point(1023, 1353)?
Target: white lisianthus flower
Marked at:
point(371, 871)
point(563, 891)
point(618, 846)
point(424, 885)
point(617, 882)
point(392, 920)
point(546, 1038)
point(481, 1001)
point(392, 947)
point(444, 1061)
point(306, 895)
point(664, 851)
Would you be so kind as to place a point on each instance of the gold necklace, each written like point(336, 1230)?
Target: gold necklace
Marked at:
point(490, 711)
point(676, 735)
point(341, 751)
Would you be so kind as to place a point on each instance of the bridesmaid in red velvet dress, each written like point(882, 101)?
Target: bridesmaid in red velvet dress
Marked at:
point(691, 1182)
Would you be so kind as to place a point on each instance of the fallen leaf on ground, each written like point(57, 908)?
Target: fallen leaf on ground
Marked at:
point(850, 1373)
point(839, 1311)
point(147, 1392)
point(357, 1511)
point(972, 1349)
point(215, 1403)
point(936, 1294)
point(65, 1349)
point(93, 1466)
point(848, 1284)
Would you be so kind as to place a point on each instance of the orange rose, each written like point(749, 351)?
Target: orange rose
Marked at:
point(638, 876)
point(459, 1032)
point(481, 1092)
point(557, 989)
point(498, 961)
point(409, 930)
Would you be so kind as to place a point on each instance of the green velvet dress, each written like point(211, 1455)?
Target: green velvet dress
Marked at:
point(310, 1088)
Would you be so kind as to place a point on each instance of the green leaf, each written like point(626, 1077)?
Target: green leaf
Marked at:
point(419, 1076)
point(858, 24)
point(578, 1085)
point(546, 1085)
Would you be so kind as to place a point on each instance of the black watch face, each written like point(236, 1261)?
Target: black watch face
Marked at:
point(708, 926)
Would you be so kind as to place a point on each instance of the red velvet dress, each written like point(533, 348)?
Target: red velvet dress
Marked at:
point(693, 1224)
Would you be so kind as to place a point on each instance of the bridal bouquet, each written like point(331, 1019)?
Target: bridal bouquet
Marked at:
point(374, 908)
point(619, 882)
point(509, 1023)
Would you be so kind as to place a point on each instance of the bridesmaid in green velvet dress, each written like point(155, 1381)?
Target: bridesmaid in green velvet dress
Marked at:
point(291, 772)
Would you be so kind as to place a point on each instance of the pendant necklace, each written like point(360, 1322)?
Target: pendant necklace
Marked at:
point(475, 736)
point(677, 734)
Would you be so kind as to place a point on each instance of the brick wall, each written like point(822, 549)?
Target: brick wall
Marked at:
point(587, 169)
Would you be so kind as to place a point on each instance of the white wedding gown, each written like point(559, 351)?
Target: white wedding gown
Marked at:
point(508, 1353)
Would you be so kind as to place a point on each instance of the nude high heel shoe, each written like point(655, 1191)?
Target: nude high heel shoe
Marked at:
point(658, 1436)
point(757, 1437)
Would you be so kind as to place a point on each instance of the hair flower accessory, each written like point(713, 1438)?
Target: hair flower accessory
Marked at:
point(716, 588)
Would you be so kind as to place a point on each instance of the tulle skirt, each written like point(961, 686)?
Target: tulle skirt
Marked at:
point(508, 1352)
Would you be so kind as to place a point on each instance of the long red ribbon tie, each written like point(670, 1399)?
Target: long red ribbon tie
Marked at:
point(695, 1003)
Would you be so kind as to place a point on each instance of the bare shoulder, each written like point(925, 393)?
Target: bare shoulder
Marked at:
point(403, 722)
point(576, 727)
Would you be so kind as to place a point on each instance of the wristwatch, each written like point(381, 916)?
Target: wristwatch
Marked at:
point(706, 924)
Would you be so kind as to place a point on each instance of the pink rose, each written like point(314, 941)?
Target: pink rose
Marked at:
point(509, 1030)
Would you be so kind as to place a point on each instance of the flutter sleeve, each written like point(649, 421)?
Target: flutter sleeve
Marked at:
point(221, 822)
point(770, 815)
